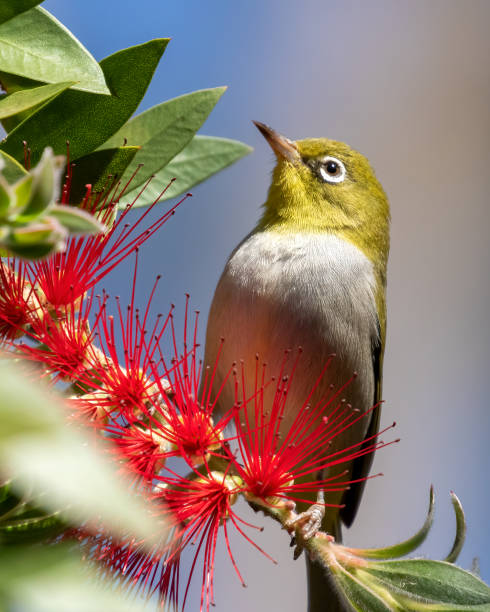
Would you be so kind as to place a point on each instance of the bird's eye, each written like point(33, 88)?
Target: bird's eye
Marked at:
point(331, 170)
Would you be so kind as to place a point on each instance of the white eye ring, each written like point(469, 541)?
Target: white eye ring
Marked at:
point(335, 176)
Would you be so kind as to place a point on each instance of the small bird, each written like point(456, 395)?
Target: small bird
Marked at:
point(312, 273)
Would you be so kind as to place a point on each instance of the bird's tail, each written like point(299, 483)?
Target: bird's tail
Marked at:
point(323, 594)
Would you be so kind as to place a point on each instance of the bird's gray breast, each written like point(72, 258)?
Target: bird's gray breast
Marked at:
point(280, 292)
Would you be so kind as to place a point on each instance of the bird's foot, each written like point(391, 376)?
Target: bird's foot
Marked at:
point(305, 526)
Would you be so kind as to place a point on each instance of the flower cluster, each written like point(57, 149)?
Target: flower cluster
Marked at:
point(158, 410)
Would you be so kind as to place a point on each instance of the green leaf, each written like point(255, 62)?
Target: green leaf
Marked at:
point(21, 101)
point(35, 240)
point(45, 186)
point(9, 501)
point(12, 170)
point(88, 120)
point(201, 158)
point(36, 45)
point(428, 582)
point(22, 191)
point(11, 8)
point(5, 198)
point(75, 220)
point(58, 466)
point(359, 595)
point(13, 83)
point(164, 130)
point(460, 530)
point(405, 547)
point(31, 529)
point(27, 251)
point(100, 170)
point(55, 579)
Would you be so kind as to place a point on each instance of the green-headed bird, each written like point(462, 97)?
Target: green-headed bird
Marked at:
point(312, 273)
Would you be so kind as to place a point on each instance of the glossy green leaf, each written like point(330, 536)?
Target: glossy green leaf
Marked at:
point(76, 221)
point(58, 466)
point(20, 101)
point(100, 169)
point(164, 130)
point(428, 582)
point(201, 158)
point(12, 170)
point(87, 120)
point(11, 8)
point(36, 45)
point(55, 579)
point(405, 547)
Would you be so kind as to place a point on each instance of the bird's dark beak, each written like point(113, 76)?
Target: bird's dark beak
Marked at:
point(282, 146)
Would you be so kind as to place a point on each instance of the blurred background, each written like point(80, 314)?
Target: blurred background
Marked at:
point(407, 84)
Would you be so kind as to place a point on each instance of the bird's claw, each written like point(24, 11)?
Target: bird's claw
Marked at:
point(305, 526)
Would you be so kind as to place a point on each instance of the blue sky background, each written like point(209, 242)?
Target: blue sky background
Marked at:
point(406, 83)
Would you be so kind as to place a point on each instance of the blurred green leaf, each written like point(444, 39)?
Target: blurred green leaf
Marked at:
point(428, 582)
point(5, 198)
point(55, 579)
point(22, 192)
point(45, 185)
point(36, 45)
point(36, 233)
point(99, 169)
point(40, 527)
point(9, 501)
point(12, 170)
point(11, 8)
point(164, 130)
point(58, 466)
point(21, 101)
point(76, 221)
point(27, 251)
point(201, 158)
point(87, 120)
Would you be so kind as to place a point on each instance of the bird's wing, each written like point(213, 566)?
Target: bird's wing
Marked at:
point(362, 465)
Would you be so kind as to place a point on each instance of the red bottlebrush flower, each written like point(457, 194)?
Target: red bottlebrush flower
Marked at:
point(168, 418)
point(178, 422)
point(123, 380)
point(197, 508)
point(65, 277)
point(275, 467)
point(18, 300)
point(64, 341)
point(144, 450)
point(185, 418)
